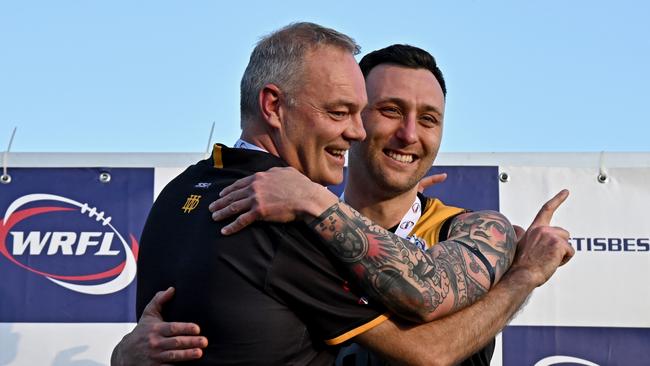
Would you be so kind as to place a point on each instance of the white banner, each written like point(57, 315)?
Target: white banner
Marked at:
point(606, 283)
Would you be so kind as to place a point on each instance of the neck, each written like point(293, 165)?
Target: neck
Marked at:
point(261, 139)
point(386, 211)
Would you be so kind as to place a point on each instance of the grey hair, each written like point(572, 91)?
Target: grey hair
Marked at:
point(278, 59)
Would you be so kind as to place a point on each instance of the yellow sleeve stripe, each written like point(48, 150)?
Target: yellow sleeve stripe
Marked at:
point(216, 156)
point(356, 331)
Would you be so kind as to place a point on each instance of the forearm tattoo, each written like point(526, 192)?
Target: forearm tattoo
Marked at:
point(415, 284)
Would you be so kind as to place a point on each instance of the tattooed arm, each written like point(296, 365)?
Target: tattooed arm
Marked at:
point(420, 286)
point(540, 251)
point(416, 285)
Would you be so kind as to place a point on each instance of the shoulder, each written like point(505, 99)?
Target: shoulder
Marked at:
point(436, 218)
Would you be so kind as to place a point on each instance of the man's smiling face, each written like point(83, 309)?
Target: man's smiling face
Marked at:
point(403, 122)
point(323, 116)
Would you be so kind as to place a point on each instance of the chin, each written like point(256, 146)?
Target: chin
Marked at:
point(332, 182)
point(330, 179)
point(396, 186)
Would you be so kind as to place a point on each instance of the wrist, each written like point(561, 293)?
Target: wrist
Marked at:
point(520, 278)
point(317, 201)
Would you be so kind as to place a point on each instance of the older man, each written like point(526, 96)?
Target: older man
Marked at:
point(276, 298)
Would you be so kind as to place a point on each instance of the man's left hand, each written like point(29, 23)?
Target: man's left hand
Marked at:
point(154, 342)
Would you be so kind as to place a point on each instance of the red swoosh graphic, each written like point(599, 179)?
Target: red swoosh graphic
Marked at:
point(18, 216)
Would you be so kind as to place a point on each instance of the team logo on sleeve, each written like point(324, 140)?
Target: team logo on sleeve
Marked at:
point(39, 232)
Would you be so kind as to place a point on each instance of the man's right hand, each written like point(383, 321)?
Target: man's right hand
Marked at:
point(155, 342)
point(543, 248)
point(276, 195)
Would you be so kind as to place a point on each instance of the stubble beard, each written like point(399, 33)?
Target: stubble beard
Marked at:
point(381, 181)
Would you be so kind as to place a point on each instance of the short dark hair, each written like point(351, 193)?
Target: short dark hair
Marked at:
point(403, 55)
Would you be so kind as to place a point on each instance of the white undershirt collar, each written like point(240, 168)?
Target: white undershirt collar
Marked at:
point(241, 144)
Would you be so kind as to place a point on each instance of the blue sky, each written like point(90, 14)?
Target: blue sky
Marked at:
point(152, 76)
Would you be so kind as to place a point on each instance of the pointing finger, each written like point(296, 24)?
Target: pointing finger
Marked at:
point(545, 214)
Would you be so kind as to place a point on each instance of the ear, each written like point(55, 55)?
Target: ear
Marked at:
point(270, 99)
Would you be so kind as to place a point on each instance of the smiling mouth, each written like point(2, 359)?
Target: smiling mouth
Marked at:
point(339, 153)
point(402, 158)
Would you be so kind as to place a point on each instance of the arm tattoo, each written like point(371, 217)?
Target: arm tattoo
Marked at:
point(419, 285)
point(490, 233)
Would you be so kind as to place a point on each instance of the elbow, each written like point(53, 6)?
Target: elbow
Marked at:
point(422, 313)
point(408, 305)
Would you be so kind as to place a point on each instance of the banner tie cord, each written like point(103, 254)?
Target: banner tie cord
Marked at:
point(602, 174)
point(6, 178)
point(208, 149)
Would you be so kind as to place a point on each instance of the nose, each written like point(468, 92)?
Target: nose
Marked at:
point(355, 130)
point(407, 130)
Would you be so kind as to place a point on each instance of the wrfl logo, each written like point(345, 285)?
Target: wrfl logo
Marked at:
point(68, 243)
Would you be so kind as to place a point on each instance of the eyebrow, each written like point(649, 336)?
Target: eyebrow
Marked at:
point(345, 103)
point(401, 102)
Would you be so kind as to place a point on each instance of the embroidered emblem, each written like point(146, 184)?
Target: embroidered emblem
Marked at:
point(191, 203)
point(202, 185)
